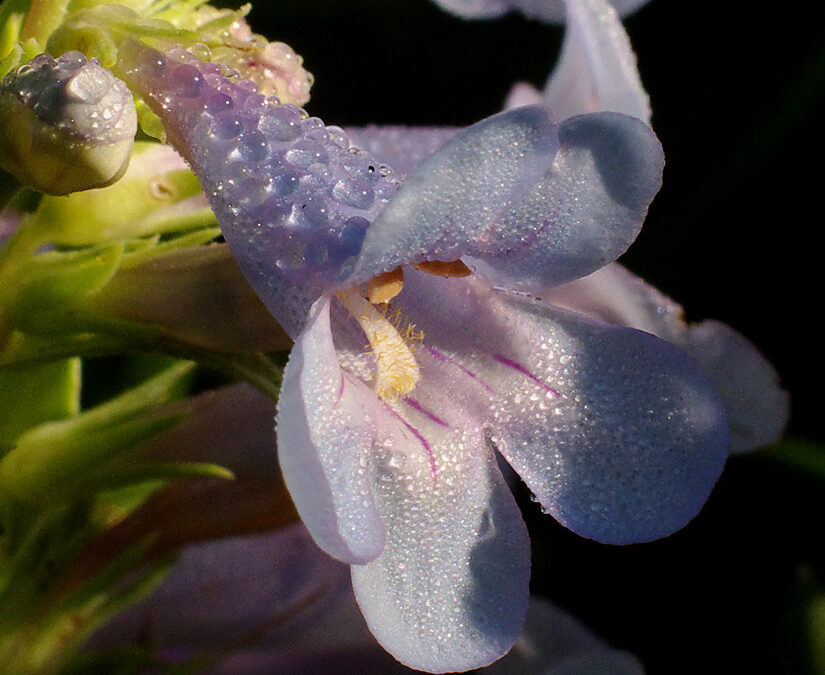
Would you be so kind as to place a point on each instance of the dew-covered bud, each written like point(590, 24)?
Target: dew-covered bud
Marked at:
point(66, 124)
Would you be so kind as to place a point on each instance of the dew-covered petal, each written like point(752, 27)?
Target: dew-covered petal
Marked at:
point(402, 148)
point(325, 429)
point(757, 407)
point(527, 202)
point(597, 67)
point(551, 11)
point(449, 591)
point(618, 434)
point(293, 199)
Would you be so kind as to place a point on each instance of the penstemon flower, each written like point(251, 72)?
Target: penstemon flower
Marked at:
point(461, 311)
point(390, 456)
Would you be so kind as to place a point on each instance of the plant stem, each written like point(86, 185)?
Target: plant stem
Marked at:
point(43, 17)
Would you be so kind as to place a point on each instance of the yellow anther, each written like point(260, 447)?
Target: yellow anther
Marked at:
point(454, 268)
point(385, 287)
point(397, 372)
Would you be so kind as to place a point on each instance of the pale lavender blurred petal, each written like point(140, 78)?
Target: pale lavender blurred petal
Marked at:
point(552, 642)
point(597, 67)
point(551, 11)
point(473, 9)
point(757, 407)
point(260, 590)
point(521, 94)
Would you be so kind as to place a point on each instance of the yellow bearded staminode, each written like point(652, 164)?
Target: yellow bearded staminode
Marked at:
point(396, 370)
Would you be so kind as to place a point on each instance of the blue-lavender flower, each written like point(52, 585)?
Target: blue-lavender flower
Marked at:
point(390, 455)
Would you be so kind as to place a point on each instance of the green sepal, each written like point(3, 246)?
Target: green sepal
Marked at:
point(41, 624)
point(149, 121)
point(165, 471)
point(191, 240)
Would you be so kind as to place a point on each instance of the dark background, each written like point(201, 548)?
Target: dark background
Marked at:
point(739, 101)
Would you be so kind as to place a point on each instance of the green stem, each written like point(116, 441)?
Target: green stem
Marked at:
point(21, 245)
point(254, 368)
point(43, 17)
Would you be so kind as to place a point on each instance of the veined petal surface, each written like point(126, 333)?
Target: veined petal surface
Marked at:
point(325, 431)
point(618, 434)
point(449, 591)
point(530, 204)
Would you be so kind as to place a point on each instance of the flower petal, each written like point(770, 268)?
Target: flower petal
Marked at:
point(757, 407)
point(597, 67)
point(292, 198)
point(532, 203)
point(449, 591)
point(618, 434)
point(324, 431)
point(403, 148)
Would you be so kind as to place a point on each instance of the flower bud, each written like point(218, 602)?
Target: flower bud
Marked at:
point(66, 124)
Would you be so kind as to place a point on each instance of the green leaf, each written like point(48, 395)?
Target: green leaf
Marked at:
point(37, 394)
